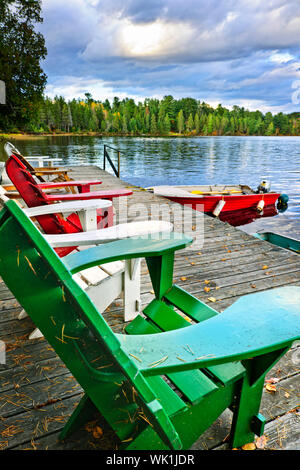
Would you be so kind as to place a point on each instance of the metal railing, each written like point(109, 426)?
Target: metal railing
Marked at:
point(106, 156)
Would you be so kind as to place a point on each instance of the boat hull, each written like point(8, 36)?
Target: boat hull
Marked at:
point(232, 202)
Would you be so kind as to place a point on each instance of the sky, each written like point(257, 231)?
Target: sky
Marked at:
point(244, 53)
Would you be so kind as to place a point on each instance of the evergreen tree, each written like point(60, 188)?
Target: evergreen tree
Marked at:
point(133, 125)
point(180, 122)
point(270, 129)
point(124, 125)
point(66, 117)
point(232, 126)
point(147, 123)
point(167, 124)
point(153, 126)
point(190, 123)
point(210, 124)
point(197, 123)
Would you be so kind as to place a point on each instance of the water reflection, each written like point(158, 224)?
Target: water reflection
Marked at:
point(246, 216)
point(199, 160)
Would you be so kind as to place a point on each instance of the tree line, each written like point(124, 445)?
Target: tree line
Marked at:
point(186, 116)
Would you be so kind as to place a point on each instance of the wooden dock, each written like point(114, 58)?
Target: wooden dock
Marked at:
point(38, 394)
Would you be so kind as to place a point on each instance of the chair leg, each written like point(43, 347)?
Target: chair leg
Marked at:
point(247, 421)
point(84, 411)
point(132, 289)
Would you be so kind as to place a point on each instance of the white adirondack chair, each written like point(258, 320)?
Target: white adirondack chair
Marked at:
point(38, 160)
point(104, 283)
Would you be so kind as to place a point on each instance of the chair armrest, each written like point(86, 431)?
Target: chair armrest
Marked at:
point(255, 325)
point(49, 171)
point(72, 206)
point(81, 184)
point(42, 157)
point(126, 249)
point(116, 232)
point(87, 212)
point(109, 194)
point(40, 160)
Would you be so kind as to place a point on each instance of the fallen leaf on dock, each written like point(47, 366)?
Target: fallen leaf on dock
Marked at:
point(206, 281)
point(183, 278)
point(90, 426)
point(212, 299)
point(206, 289)
point(265, 267)
point(250, 446)
point(271, 388)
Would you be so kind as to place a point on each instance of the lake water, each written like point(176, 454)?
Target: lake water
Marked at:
point(198, 160)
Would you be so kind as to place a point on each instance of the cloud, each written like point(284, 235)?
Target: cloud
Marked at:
point(220, 50)
point(73, 87)
point(281, 58)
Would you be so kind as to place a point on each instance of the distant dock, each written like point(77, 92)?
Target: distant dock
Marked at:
point(38, 394)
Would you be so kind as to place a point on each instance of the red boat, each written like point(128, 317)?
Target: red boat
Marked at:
point(213, 199)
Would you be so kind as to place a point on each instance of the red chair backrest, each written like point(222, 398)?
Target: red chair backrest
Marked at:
point(33, 196)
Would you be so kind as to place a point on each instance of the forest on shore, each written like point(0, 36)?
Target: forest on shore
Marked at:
point(186, 116)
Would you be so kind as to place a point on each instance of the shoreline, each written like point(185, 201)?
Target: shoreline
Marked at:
point(24, 136)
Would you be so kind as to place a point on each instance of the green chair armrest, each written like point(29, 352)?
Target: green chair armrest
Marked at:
point(126, 249)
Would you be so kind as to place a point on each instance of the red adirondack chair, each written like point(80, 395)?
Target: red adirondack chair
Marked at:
point(33, 195)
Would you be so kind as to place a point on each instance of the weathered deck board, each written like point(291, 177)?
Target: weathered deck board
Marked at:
point(37, 393)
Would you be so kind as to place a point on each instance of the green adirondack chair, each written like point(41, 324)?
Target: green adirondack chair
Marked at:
point(216, 363)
